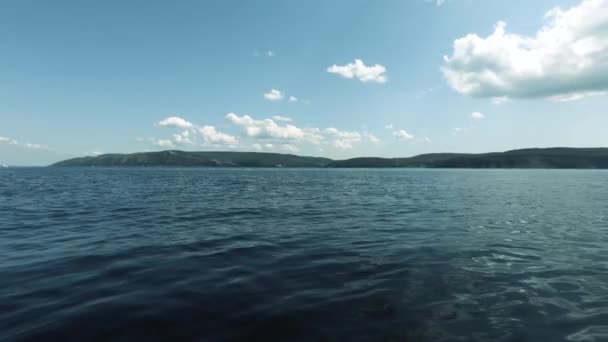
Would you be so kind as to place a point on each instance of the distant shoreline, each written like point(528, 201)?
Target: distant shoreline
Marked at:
point(533, 158)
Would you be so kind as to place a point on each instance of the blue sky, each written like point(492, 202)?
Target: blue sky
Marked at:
point(87, 77)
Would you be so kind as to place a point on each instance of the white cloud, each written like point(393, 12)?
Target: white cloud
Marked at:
point(293, 99)
point(477, 116)
point(164, 143)
point(343, 144)
point(566, 59)
point(183, 138)
point(399, 133)
point(282, 118)
point(174, 121)
point(459, 130)
point(345, 139)
point(36, 146)
point(359, 70)
point(270, 53)
point(371, 138)
point(500, 100)
point(350, 135)
point(576, 96)
point(211, 135)
point(192, 134)
point(427, 139)
point(257, 147)
point(268, 128)
point(273, 95)
point(403, 134)
point(273, 134)
point(28, 145)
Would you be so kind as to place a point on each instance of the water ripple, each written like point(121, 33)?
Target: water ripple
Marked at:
point(299, 255)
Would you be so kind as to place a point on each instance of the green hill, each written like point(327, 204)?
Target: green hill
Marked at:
point(559, 158)
point(182, 158)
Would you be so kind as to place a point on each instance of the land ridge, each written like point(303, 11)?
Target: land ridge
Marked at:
point(551, 158)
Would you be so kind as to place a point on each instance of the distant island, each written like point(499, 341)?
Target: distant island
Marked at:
point(533, 158)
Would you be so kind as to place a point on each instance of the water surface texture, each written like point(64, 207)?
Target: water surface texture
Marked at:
point(162, 254)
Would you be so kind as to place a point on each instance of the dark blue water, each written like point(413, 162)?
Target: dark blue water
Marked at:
point(303, 255)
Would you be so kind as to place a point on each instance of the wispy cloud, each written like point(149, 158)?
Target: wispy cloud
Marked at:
point(399, 133)
point(165, 143)
point(477, 116)
point(403, 134)
point(282, 118)
point(500, 100)
point(424, 92)
point(267, 53)
point(28, 145)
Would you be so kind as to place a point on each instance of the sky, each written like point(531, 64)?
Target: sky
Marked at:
point(340, 78)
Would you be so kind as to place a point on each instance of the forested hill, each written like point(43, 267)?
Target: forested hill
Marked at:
point(575, 158)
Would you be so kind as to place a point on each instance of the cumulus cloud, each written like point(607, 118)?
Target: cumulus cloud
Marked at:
point(271, 134)
point(268, 128)
point(192, 134)
point(281, 118)
point(403, 134)
point(343, 139)
point(4, 140)
point(477, 116)
point(183, 138)
point(371, 138)
point(174, 121)
point(347, 139)
point(359, 70)
point(566, 59)
point(399, 133)
point(211, 135)
point(273, 95)
point(293, 99)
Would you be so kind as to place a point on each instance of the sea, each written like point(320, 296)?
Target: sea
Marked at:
point(239, 254)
